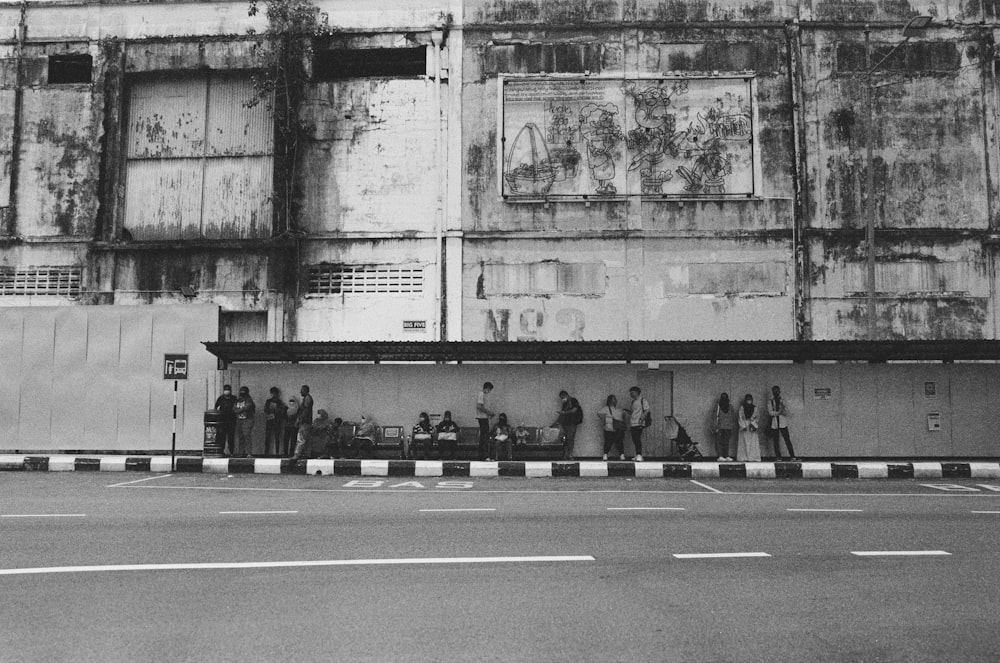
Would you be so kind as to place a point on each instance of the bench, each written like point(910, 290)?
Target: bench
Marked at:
point(390, 444)
point(538, 448)
point(467, 447)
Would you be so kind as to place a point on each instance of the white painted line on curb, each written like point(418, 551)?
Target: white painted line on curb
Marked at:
point(698, 483)
point(830, 510)
point(230, 513)
point(645, 508)
point(719, 555)
point(431, 510)
point(43, 515)
point(129, 483)
point(897, 553)
point(276, 565)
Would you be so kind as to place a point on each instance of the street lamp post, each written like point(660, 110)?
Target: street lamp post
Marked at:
point(916, 25)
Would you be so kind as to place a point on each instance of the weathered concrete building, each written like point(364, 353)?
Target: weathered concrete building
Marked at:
point(531, 170)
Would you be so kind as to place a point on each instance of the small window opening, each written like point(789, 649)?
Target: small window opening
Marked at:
point(339, 64)
point(70, 69)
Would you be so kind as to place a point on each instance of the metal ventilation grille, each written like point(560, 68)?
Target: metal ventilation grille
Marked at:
point(58, 281)
point(364, 279)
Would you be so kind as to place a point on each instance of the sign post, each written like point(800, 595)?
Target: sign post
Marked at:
point(175, 367)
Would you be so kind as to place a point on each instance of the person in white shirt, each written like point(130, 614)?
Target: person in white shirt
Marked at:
point(637, 420)
point(483, 416)
point(614, 426)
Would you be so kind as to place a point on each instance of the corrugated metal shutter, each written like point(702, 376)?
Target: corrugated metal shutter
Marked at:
point(199, 159)
point(233, 127)
point(166, 118)
point(243, 326)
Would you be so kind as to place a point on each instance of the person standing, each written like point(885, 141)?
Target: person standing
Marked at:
point(274, 422)
point(227, 420)
point(447, 435)
point(245, 410)
point(483, 415)
point(724, 425)
point(778, 411)
point(640, 416)
point(291, 425)
point(305, 407)
point(570, 415)
point(749, 445)
point(614, 426)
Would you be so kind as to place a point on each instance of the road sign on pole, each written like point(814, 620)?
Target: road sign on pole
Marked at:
point(175, 367)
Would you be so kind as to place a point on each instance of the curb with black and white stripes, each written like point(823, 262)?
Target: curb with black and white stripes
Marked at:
point(438, 468)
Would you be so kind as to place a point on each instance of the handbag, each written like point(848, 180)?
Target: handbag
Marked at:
point(647, 420)
point(617, 425)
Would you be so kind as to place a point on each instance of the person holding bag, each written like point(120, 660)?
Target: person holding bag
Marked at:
point(614, 426)
point(778, 412)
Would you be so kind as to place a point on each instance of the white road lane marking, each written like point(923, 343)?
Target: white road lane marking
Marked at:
point(230, 513)
point(129, 483)
point(706, 487)
point(645, 508)
point(43, 515)
point(294, 564)
point(719, 555)
point(984, 512)
point(830, 510)
point(898, 553)
point(431, 510)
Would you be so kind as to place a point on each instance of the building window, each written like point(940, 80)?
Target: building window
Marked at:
point(544, 278)
point(199, 159)
point(53, 281)
point(365, 279)
point(338, 64)
point(919, 56)
point(69, 68)
point(242, 326)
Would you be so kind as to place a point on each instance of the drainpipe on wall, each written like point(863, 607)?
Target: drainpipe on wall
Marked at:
point(437, 39)
point(15, 135)
point(800, 251)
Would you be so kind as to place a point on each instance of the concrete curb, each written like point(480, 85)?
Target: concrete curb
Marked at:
point(448, 468)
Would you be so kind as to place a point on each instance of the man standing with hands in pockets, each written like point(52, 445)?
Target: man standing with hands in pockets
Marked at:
point(483, 415)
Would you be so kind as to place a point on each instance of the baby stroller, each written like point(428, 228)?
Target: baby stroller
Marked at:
point(687, 448)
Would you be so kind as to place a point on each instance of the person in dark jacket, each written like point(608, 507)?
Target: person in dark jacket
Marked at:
point(570, 416)
point(245, 410)
point(274, 421)
point(226, 435)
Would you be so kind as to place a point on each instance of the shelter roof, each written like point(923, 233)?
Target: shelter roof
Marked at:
point(604, 351)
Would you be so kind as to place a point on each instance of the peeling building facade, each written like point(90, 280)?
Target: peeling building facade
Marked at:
point(510, 170)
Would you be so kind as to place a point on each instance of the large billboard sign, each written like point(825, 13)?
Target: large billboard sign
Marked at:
point(600, 137)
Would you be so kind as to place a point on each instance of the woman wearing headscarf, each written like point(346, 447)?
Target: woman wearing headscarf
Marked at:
point(316, 437)
point(725, 424)
point(749, 446)
point(500, 438)
point(422, 437)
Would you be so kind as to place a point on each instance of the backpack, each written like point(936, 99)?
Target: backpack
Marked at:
point(577, 417)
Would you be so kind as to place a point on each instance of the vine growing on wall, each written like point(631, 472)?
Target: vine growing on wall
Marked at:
point(285, 52)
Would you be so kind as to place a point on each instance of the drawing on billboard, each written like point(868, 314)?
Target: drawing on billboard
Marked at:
point(609, 137)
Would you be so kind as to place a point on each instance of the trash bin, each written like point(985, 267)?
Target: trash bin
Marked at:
point(213, 446)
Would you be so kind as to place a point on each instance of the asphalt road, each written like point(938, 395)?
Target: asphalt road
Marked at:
point(429, 569)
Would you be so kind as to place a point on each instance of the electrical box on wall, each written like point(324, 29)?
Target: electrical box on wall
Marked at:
point(933, 421)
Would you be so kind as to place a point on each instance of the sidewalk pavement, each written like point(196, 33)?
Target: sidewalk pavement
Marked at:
point(840, 469)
